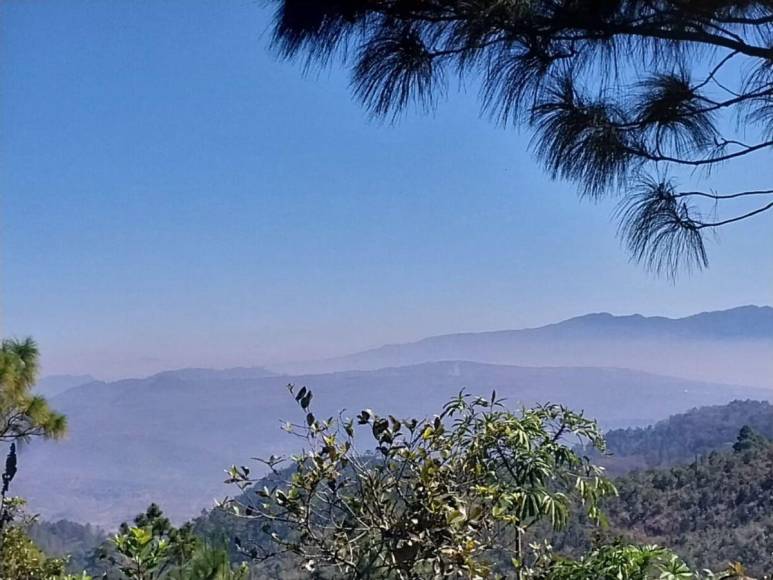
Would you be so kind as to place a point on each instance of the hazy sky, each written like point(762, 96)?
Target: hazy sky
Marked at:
point(173, 195)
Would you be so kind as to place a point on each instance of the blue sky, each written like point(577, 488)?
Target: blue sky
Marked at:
point(173, 195)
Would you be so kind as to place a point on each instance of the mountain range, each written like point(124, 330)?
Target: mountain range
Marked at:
point(168, 438)
point(733, 346)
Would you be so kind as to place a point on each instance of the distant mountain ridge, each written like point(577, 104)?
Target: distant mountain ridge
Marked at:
point(168, 437)
point(52, 385)
point(199, 374)
point(732, 346)
point(747, 322)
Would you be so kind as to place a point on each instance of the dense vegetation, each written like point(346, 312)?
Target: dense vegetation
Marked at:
point(65, 539)
point(713, 511)
point(446, 496)
point(692, 509)
point(684, 437)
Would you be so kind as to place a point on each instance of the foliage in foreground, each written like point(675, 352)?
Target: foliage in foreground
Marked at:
point(152, 549)
point(23, 415)
point(469, 493)
point(629, 562)
point(445, 496)
point(20, 558)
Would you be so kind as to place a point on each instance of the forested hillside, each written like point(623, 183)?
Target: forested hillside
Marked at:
point(68, 539)
point(683, 437)
point(713, 511)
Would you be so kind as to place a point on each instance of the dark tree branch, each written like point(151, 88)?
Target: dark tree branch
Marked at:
point(637, 111)
point(701, 162)
point(702, 225)
point(725, 196)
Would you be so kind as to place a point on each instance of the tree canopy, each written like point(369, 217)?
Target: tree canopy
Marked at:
point(22, 414)
point(624, 97)
point(446, 496)
point(477, 491)
point(153, 549)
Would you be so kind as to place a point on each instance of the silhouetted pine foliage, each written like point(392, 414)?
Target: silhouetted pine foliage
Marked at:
point(623, 96)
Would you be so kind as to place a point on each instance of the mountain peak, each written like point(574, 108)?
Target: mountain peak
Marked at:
point(748, 321)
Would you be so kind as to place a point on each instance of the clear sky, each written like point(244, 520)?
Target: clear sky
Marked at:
point(173, 195)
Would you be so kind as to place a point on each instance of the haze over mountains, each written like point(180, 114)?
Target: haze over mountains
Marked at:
point(733, 346)
point(167, 438)
point(52, 385)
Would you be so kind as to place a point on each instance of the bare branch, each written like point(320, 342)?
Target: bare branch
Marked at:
point(702, 225)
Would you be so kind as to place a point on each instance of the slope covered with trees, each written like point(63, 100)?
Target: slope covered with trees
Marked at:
point(713, 511)
point(66, 539)
point(684, 437)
